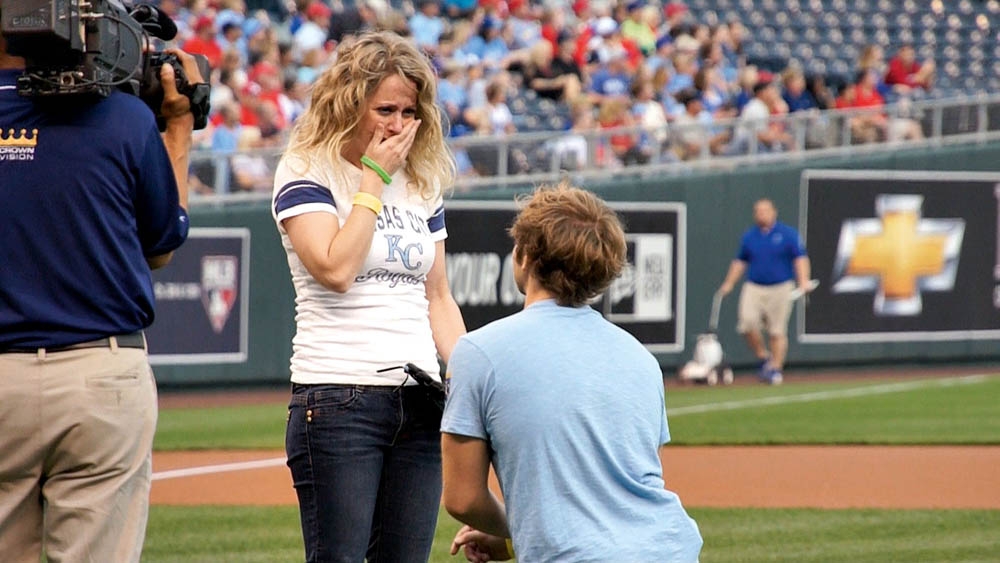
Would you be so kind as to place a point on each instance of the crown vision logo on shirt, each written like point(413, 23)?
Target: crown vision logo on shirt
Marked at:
point(18, 145)
point(898, 255)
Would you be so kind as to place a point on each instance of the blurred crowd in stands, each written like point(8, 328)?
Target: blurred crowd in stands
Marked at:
point(509, 66)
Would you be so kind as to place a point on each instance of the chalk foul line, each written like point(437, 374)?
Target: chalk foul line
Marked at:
point(863, 391)
point(220, 468)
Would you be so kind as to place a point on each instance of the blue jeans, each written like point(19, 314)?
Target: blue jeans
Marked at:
point(366, 464)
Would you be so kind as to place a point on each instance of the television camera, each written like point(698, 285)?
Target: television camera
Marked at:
point(91, 47)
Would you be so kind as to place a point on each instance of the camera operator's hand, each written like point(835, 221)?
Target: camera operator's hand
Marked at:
point(177, 105)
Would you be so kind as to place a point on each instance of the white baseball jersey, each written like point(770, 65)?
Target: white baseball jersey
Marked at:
point(382, 320)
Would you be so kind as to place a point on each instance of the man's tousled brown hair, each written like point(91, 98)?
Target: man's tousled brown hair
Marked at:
point(574, 242)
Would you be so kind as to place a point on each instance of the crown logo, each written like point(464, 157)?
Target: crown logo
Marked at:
point(19, 141)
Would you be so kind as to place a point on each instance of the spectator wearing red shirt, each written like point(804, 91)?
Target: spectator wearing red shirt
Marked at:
point(203, 42)
point(905, 73)
point(871, 126)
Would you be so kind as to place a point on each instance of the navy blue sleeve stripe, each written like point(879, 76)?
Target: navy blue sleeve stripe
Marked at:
point(298, 193)
point(296, 184)
point(436, 222)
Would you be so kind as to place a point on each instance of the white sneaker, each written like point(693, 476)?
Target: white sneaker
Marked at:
point(775, 378)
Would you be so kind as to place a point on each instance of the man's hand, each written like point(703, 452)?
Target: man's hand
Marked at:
point(177, 105)
point(480, 547)
point(725, 289)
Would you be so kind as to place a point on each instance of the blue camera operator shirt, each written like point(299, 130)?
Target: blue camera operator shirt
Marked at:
point(573, 409)
point(770, 256)
point(87, 192)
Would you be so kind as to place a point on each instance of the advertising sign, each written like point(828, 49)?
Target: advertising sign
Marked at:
point(906, 256)
point(647, 300)
point(201, 300)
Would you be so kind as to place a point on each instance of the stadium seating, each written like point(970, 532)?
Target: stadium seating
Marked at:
point(825, 36)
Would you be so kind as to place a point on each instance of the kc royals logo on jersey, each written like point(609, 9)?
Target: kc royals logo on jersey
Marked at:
point(219, 282)
point(402, 253)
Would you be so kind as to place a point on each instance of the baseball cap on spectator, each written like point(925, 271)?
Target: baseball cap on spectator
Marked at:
point(251, 89)
point(605, 26)
point(490, 23)
point(252, 26)
point(635, 5)
point(762, 83)
point(228, 26)
point(318, 10)
point(666, 39)
point(580, 6)
point(227, 18)
point(687, 43)
point(513, 5)
point(674, 9)
point(688, 95)
point(618, 53)
point(262, 67)
point(204, 22)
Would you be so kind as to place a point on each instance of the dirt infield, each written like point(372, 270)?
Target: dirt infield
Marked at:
point(730, 476)
point(771, 476)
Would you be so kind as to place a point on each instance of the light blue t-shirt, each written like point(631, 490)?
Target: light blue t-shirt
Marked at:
point(573, 410)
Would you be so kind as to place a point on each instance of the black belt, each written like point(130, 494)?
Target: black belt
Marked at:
point(131, 340)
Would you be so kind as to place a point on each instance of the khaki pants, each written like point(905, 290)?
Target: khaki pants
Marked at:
point(76, 434)
point(765, 307)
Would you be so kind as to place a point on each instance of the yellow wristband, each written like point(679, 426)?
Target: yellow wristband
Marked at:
point(510, 547)
point(365, 199)
point(367, 161)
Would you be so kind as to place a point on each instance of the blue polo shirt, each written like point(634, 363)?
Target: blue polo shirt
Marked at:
point(86, 193)
point(770, 255)
point(573, 410)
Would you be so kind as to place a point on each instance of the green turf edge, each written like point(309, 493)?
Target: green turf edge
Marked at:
point(271, 534)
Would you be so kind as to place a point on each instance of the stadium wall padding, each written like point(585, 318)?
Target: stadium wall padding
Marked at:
point(718, 211)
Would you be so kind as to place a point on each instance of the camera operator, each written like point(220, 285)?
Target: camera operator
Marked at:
point(92, 198)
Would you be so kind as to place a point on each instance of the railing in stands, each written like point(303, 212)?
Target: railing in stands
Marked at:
point(532, 158)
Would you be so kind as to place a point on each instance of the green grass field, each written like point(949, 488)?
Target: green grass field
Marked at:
point(940, 411)
point(271, 534)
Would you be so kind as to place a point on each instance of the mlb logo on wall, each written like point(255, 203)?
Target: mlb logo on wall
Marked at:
point(202, 300)
point(903, 256)
point(644, 290)
point(218, 288)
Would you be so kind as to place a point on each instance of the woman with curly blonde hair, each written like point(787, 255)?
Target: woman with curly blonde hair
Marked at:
point(358, 204)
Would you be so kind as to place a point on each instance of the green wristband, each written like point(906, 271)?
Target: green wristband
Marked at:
point(378, 169)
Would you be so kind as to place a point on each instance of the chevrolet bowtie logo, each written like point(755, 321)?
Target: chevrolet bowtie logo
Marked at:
point(898, 256)
point(19, 141)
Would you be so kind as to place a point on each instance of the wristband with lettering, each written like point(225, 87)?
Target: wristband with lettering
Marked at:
point(378, 169)
point(365, 199)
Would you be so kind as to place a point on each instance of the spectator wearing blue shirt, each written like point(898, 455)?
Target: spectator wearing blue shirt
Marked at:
point(612, 79)
point(795, 93)
point(427, 25)
point(685, 67)
point(544, 396)
point(524, 26)
point(488, 45)
point(452, 96)
point(774, 259)
point(225, 136)
point(459, 9)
